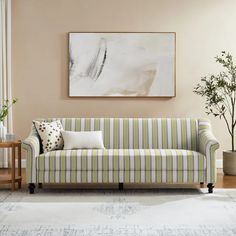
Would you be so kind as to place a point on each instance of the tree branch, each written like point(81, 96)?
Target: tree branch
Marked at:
point(227, 123)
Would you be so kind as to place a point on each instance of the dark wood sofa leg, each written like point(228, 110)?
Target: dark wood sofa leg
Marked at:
point(40, 185)
point(210, 187)
point(31, 188)
point(121, 186)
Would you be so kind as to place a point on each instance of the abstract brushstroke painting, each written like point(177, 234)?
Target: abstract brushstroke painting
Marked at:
point(122, 64)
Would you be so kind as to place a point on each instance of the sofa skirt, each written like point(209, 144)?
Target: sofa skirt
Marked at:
point(121, 176)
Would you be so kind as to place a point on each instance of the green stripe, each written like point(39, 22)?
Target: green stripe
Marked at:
point(148, 176)
point(200, 162)
point(194, 135)
point(115, 159)
point(169, 160)
point(63, 166)
point(116, 176)
point(164, 133)
point(184, 133)
point(84, 164)
point(147, 165)
point(179, 165)
point(154, 134)
point(145, 133)
point(41, 177)
point(147, 159)
point(126, 159)
point(105, 177)
point(105, 160)
point(41, 160)
point(97, 124)
point(87, 124)
point(137, 166)
point(190, 165)
point(67, 124)
point(127, 165)
point(116, 133)
point(73, 160)
point(73, 164)
point(135, 134)
point(158, 165)
point(174, 133)
point(126, 133)
point(52, 166)
point(83, 176)
point(94, 165)
point(201, 176)
point(107, 132)
point(77, 125)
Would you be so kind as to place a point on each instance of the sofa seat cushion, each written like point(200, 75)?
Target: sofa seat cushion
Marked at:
point(121, 159)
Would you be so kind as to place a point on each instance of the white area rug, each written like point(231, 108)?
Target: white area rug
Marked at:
point(163, 212)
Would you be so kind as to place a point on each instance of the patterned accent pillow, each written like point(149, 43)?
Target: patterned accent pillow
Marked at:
point(50, 135)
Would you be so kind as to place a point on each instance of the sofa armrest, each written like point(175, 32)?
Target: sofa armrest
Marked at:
point(32, 147)
point(207, 141)
point(207, 146)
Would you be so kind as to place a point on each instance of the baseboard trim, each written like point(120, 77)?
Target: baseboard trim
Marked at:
point(219, 164)
point(3, 164)
point(23, 163)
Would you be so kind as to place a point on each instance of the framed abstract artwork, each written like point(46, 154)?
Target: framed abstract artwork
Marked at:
point(122, 64)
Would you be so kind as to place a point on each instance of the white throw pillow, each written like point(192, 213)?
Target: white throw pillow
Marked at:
point(50, 135)
point(82, 140)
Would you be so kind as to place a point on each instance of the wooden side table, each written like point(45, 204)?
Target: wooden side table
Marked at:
point(12, 178)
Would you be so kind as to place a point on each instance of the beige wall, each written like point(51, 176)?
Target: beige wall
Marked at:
point(40, 54)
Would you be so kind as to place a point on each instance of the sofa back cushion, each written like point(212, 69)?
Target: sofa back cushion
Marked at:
point(139, 133)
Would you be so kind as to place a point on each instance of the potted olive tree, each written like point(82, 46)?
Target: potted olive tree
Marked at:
point(219, 92)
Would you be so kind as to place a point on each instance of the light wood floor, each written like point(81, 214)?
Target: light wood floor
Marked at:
point(223, 181)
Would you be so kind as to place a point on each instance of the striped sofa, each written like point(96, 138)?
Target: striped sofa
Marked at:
point(137, 150)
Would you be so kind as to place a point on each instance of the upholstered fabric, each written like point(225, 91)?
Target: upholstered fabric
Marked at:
point(179, 147)
point(178, 177)
point(32, 148)
point(121, 159)
point(135, 133)
point(207, 146)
